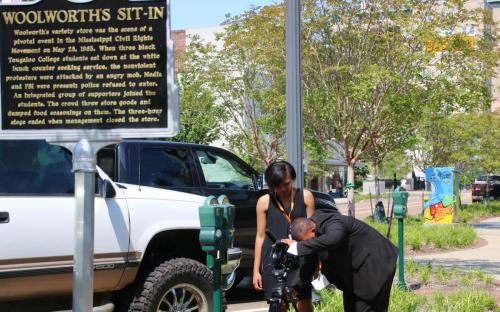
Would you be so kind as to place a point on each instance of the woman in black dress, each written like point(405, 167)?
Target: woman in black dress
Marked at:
point(276, 211)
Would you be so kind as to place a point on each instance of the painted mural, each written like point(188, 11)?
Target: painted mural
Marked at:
point(440, 207)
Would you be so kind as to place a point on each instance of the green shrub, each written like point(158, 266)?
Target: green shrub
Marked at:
point(462, 301)
point(411, 267)
point(441, 275)
point(417, 236)
point(405, 300)
point(409, 301)
point(475, 211)
point(331, 301)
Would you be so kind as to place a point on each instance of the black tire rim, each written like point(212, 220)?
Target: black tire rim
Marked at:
point(183, 298)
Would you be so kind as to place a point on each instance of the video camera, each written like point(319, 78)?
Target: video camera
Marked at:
point(283, 263)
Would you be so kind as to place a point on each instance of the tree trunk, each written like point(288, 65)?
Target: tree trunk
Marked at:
point(350, 191)
point(377, 184)
point(487, 192)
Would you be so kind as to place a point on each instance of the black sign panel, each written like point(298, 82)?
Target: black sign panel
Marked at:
point(95, 65)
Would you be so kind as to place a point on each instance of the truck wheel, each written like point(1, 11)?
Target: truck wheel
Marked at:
point(176, 285)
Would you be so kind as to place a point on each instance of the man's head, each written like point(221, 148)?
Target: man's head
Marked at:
point(303, 229)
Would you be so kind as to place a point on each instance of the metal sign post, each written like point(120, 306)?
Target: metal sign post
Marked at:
point(84, 166)
point(85, 74)
point(294, 144)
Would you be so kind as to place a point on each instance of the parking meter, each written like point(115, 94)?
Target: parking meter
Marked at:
point(227, 226)
point(400, 208)
point(400, 200)
point(216, 236)
point(211, 222)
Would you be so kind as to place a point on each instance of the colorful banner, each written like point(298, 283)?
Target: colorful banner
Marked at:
point(441, 207)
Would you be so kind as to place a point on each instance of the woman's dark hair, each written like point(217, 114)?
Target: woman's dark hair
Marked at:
point(277, 171)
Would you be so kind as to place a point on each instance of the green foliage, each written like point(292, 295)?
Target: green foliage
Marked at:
point(462, 301)
point(366, 75)
point(331, 301)
point(360, 197)
point(469, 141)
point(200, 116)
point(473, 212)
point(405, 300)
point(438, 236)
point(396, 162)
point(425, 273)
point(249, 80)
point(409, 301)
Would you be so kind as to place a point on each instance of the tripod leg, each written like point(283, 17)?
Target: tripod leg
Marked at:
point(275, 307)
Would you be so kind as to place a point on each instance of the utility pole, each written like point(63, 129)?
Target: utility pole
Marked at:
point(294, 144)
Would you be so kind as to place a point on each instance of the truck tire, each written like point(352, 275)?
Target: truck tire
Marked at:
point(179, 284)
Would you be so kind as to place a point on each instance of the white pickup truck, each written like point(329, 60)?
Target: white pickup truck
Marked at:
point(147, 253)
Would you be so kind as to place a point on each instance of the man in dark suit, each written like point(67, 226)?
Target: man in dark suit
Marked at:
point(355, 258)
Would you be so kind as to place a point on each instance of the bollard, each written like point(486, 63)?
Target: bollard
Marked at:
point(216, 236)
point(400, 200)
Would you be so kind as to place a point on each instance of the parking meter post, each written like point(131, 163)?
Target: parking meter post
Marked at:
point(216, 236)
point(400, 209)
point(214, 264)
point(401, 276)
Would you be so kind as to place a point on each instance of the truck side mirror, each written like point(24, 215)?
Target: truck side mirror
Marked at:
point(108, 191)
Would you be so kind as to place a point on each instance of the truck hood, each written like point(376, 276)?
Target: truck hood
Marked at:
point(133, 191)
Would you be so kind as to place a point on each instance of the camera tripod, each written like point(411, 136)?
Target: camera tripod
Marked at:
point(283, 263)
point(281, 294)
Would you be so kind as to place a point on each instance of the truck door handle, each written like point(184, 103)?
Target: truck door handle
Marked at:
point(4, 217)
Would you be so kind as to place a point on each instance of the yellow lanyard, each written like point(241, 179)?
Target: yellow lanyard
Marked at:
point(288, 216)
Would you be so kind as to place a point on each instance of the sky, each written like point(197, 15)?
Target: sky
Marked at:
point(202, 13)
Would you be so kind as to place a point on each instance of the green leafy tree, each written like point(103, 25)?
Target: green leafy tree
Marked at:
point(249, 82)
point(476, 142)
point(200, 115)
point(370, 73)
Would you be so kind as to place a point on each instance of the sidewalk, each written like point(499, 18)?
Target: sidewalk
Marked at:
point(486, 258)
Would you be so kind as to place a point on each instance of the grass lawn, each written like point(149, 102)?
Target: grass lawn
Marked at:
point(442, 290)
point(360, 197)
point(410, 301)
point(420, 238)
point(474, 212)
point(417, 237)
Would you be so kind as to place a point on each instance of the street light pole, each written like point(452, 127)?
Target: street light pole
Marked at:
point(294, 90)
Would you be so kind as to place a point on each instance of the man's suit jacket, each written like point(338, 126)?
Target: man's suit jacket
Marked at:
point(356, 258)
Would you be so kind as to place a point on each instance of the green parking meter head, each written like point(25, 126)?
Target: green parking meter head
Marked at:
point(228, 226)
point(400, 200)
point(211, 214)
point(228, 210)
point(211, 224)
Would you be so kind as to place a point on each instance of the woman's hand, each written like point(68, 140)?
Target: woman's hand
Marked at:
point(257, 281)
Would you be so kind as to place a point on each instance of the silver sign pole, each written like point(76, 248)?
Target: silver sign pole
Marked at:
point(84, 167)
point(294, 90)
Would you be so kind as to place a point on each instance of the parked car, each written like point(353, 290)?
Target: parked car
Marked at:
point(486, 186)
point(147, 253)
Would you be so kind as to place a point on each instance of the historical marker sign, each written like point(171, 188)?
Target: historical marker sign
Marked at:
point(97, 69)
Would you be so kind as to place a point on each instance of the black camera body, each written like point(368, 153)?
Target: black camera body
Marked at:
point(283, 263)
